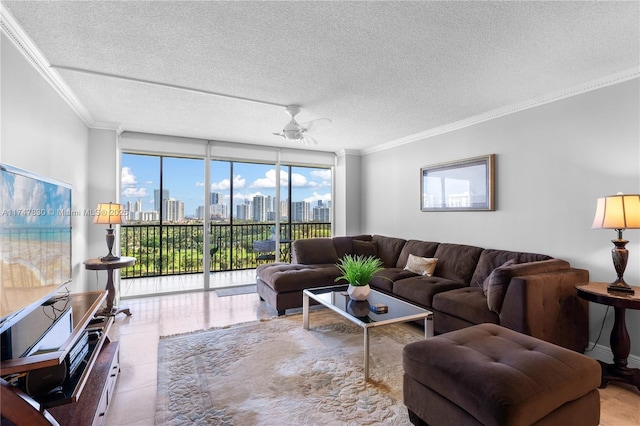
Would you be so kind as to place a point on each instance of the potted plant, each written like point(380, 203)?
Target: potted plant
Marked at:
point(358, 271)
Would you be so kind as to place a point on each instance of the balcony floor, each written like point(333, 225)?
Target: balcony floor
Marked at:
point(153, 286)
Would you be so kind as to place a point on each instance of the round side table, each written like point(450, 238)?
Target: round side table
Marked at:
point(619, 340)
point(109, 266)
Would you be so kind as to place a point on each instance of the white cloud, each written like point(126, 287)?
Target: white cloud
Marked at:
point(225, 184)
point(298, 180)
point(269, 181)
point(316, 197)
point(135, 193)
point(322, 174)
point(129, 183)
point(127, 178)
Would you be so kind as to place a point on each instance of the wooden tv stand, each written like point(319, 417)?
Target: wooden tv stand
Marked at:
point(84, 399)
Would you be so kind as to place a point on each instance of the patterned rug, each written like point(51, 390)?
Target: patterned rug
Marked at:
point(276, 373)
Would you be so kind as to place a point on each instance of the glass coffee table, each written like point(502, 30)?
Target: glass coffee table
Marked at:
point(362, 313)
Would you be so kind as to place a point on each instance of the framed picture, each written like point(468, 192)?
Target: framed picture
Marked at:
point(465, 185)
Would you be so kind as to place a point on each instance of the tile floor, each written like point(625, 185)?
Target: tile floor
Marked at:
point(156, 316)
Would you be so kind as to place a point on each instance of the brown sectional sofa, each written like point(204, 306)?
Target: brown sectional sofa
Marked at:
point(471, 285)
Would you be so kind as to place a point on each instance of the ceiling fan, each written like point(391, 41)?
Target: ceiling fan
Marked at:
point(298, 132)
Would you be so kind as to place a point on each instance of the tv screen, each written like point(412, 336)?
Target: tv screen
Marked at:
point(35, 240)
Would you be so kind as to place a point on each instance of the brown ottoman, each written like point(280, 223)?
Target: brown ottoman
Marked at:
point(491, 375)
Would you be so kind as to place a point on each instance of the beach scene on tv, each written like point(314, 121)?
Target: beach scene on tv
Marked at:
point(35, 233)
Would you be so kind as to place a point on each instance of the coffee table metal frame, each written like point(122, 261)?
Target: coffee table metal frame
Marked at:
point(336, 299)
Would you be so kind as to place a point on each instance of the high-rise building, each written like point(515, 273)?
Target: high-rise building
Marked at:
point(300, 211)
point(157, 199)
point(284, 209)
point(243, 211)
point(321, 213)
point(134, 210)
point(214, 198)
point(219, 212)
point(259, 208)
point(173, 210)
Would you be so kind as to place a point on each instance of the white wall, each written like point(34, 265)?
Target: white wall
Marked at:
point(41, 133)
point(347, 194)
point(102, 183)
point(553, 162)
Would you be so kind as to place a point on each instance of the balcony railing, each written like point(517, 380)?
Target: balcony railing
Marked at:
point(178, 249)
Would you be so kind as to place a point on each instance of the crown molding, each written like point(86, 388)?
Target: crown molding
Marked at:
point(30, 51)
point(345, 152)
point(599, 83)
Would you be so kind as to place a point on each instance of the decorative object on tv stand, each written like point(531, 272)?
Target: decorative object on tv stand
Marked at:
point(109, 214)
point(358, 271)
point(618, 212)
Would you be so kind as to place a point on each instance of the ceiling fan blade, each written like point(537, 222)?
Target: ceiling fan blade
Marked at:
point(313, 124)
point(279, 134)
point(309, 140)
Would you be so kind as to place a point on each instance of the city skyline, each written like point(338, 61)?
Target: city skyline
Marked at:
point(184, 180)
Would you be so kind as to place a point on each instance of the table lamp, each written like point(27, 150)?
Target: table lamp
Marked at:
point(618, 212)
point(109, 214)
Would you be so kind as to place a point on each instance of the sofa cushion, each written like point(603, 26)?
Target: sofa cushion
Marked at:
point(384, 279)
point(421, 265)
point(417, 248)
point(285, 277)
point(501, 277)
point(365, 248)
point(490, 259)
point(389, 249)
point(457, 262)
point(343, 245)
point(420, 289)
point(467, 303)
point(314, 251)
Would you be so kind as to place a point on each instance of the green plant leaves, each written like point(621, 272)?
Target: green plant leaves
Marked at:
point(358, 270)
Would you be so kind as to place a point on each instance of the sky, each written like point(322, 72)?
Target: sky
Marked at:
point(29, 200)
point(184, 178)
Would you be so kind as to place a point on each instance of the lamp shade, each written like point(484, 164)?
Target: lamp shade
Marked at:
point(618, 212)
point(109, 214)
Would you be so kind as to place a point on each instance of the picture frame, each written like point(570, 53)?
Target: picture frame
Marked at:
point(464, 185)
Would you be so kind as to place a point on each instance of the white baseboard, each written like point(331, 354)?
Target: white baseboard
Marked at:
point(603, 353)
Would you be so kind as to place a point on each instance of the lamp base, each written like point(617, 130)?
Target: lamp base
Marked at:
point(620, 255)
point(109, 258)
point(620, 287)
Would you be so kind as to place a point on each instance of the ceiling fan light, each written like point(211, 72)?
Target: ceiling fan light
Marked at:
point(292, 134)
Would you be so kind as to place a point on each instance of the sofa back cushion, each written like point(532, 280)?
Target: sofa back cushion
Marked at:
point(365, 248)
point(343, 245)
point(491, 259)
point(389, 249)
point(457, 262)
point(416, 248)
point(313, 251)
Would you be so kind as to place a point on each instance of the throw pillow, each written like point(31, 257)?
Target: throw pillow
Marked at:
point(495, 284)
point(492, 275)
point(421, 265)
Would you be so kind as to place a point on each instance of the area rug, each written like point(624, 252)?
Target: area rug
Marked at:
point(234, 291)
point(276, 373)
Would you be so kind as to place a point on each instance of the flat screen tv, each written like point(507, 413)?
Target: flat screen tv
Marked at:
point(35, 241)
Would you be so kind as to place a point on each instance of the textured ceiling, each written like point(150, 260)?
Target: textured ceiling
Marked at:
point(381, 71)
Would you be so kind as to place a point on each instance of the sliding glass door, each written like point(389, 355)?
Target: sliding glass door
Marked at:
point(246, 214)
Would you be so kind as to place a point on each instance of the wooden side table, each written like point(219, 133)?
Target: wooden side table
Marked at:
point(109, 266)
point(619, 340)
